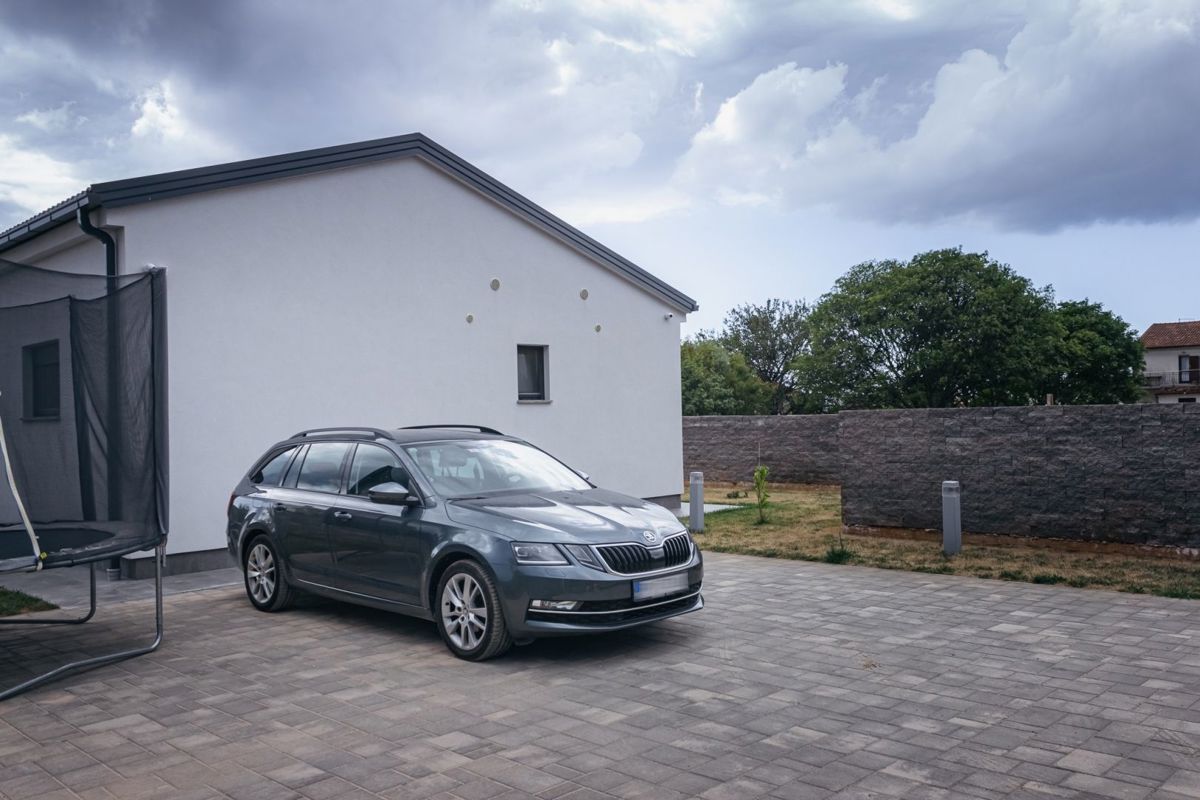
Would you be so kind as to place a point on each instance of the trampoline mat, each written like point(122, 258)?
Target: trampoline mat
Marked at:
point(69, 543)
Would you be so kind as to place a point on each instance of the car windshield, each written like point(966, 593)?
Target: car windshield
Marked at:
point(471, 468)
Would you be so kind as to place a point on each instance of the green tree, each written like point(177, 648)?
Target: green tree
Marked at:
point(1100, 359)
point(770, 337)
point(715, 381)
point(946, 328)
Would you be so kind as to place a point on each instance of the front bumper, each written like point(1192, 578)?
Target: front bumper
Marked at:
point(606, 600)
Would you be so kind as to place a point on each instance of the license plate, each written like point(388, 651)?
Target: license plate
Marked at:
point(660, 587)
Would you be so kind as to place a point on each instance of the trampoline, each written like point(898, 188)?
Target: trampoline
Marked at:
point(83, 439)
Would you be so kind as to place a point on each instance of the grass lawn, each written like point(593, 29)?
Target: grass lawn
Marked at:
point(804, 522)
point(14, 602)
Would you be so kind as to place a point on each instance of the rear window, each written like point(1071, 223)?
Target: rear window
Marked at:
point(271, 472)
point(322, 468)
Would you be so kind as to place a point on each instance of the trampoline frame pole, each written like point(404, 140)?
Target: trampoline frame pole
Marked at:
point(97, 661)
point(74, 620)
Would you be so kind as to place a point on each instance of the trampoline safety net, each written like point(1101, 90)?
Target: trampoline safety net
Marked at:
point(83, 414)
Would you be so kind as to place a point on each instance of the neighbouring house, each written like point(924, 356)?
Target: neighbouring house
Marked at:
point(383, 283)
point(1172, 362)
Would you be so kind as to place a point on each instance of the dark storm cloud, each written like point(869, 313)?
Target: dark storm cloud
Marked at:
point(883, 109)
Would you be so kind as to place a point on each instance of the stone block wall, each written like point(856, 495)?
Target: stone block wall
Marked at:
point(797, 449)
point(1105, 473)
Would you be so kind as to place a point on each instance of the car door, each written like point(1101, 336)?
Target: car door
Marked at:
point(376, 547)
point(306, 504)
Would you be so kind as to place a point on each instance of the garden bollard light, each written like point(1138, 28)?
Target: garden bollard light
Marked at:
point(696, 503)
point(951, 519)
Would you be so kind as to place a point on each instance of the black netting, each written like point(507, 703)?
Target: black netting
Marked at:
point(83, 406)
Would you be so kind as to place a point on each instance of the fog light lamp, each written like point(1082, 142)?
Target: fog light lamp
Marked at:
point(554, 605)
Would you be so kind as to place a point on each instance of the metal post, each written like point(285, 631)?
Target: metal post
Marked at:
point(696, 503)
point(951, 518)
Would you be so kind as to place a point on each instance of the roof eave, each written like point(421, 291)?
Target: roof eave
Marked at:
point(52, 217)
point(113, 194)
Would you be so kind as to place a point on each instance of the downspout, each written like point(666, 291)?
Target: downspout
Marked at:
point(113, 421)
point(110, 245)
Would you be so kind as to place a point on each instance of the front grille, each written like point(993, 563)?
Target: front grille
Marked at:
point(634, 559)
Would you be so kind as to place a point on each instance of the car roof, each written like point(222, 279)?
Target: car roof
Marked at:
point(410, 436)
point(399, 435)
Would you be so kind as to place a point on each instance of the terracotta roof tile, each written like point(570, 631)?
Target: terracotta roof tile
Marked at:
point(1172, 334)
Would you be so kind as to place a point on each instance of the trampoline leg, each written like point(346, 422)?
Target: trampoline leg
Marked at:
point(111, 658)
point(74, 620)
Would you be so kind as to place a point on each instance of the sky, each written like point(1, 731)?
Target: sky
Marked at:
point(738, 150)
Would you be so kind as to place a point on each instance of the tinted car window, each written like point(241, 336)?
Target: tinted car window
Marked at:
point(272, 471)
point(322, 468)
point(373, 465)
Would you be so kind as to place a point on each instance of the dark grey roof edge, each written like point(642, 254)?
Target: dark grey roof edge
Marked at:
point(173, 184)
point(52, 217)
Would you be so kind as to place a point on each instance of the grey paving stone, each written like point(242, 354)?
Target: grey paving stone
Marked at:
point(797, 680)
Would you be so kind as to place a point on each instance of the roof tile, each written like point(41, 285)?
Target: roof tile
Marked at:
point(1172, 334)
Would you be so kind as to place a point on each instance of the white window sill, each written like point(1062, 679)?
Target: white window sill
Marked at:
point(533, 402)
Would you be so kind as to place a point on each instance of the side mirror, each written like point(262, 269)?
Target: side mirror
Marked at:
point(583, 475)
point(392, 493)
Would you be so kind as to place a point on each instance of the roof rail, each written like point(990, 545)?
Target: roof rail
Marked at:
point(480, 428)
point(374, 433)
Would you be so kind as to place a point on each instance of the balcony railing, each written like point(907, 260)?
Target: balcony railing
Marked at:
point(1162, 380)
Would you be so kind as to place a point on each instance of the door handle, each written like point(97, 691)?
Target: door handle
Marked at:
point(342, 515)
point(280, 507)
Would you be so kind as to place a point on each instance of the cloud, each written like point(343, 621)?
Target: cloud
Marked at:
point(52, 120)
point(1033, 114)
point(621, 206)
point(1088, 115)
point(32, 181)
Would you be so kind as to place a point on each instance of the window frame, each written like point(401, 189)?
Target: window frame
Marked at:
point(291, 450)
point(543, 396)
point(31, 410)
point(1189, 365)
point(349, 471)
point(341, 479)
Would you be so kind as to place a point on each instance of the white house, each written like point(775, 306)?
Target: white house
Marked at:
point(1172, 362)
point(384, 283)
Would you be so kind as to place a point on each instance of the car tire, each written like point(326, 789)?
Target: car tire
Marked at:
point(262, 570)
point(465, 593)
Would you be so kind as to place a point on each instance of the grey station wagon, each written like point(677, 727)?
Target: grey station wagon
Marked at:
point(494, 540)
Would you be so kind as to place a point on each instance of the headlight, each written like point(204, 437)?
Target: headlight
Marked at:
point(584, 555)
point(540, 554)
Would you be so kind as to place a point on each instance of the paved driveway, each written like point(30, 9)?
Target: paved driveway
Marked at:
point(798, 681)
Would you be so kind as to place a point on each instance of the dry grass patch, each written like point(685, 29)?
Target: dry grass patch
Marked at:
point(804, 522)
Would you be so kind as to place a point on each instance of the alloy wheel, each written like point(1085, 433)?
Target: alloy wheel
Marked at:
point(464, 611)
point(260, 573)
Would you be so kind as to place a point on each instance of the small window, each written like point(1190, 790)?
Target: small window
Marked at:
point(272, 471)
point(373, 465)
point(322, 468)
point(41, 380)
point(531, 372)
point(1189, 369)
point(1187, 399)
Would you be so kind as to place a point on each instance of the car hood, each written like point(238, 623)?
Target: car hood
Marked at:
point(595, 516)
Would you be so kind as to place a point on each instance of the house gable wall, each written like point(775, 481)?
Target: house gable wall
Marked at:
point(342, 297)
